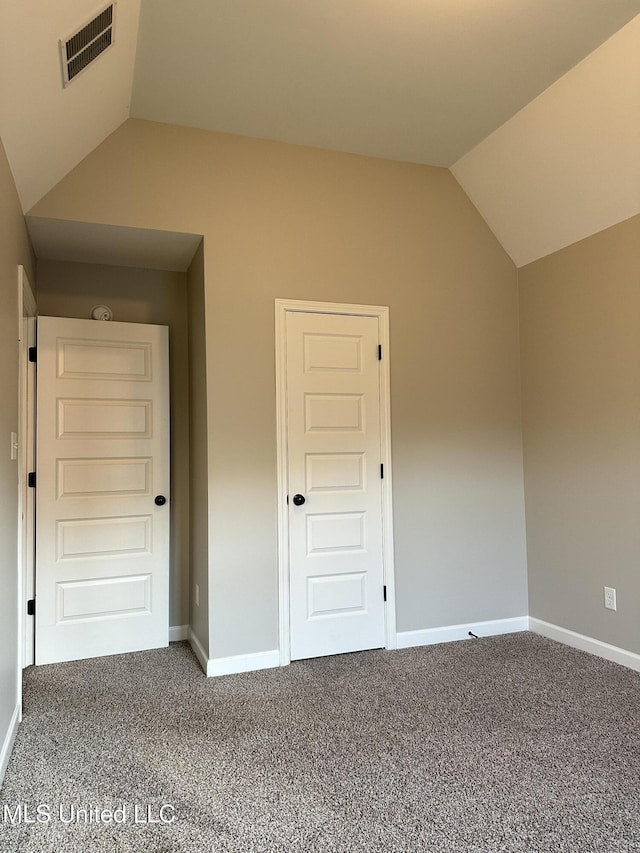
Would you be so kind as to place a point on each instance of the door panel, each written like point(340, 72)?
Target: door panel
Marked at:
point(331, 595)
point(79, 359)
point(85, 418)
point(335, 413)
point(99, 478)
point(103, 597)
point(333, 436)
point(334, 471)
point(102, 544)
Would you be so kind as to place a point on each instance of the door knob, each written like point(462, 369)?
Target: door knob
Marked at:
point(298, 500)
point(160, 500)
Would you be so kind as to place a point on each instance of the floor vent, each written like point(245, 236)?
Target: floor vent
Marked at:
point(81, 48)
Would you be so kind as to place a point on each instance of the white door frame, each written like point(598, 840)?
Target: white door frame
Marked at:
point(27, 311)
point(283, 307)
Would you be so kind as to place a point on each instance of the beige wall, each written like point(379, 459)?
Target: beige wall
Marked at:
point(15, 249)
point(293, 222)
point(140, 296)
point(199, 455)
point(580, 311)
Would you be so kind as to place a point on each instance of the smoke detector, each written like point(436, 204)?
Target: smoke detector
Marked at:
point(101, 312)
point(85, 45)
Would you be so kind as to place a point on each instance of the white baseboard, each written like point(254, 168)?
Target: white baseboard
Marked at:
point(178, 633)
point(449, 633)
point(7, 746)
point(198, 651)
point(585, 644)
point(234, 664)
point(243, 663)
point(405, 640)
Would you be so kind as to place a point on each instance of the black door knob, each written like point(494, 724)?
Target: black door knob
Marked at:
point(160, 500)
point(298, 500)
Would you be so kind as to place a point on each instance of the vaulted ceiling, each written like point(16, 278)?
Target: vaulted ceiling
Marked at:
point(420, 80)
point(417, 80)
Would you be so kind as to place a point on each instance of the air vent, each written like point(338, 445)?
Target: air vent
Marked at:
point(81, 48)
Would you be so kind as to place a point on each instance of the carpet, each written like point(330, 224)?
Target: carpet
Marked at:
point(512, 743)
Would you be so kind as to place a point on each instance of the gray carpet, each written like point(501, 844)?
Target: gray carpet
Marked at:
point(505, 744)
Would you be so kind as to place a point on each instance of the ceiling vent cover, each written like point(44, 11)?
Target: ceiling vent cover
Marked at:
point(81, 48)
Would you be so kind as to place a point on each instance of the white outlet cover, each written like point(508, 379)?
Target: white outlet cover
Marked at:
point(610, 598)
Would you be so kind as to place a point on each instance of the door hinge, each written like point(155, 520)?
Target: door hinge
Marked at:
point(384, 592)
point(33, 354)
point(31, 607)
point(31, 479)
point(379, 352)
point(382, 471)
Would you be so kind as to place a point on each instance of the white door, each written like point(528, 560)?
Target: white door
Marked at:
point(102, 541)
point(334, 466)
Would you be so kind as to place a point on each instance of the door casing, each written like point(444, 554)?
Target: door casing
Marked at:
point(282, 308)
point(27, 312)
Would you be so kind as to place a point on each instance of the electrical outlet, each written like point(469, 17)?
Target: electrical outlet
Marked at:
point(197, 596)
point(14, 446)
point(610, 598)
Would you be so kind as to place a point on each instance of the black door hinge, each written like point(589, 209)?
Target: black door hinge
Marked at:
point(33, 354)
point(384, 592)
point(31, 479)
point(31, 607)
point(379, 352)
point(381, 471)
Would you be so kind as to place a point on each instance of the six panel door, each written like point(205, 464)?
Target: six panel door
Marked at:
point(102, 541)
point(334, 454)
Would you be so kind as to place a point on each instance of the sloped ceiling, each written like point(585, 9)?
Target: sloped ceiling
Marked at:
point(568, 164)
point(46, 129)
point(419, 80)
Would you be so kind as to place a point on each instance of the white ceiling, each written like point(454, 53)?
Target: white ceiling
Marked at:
point(568, 164)
point(417, 80)
point(47, 130)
